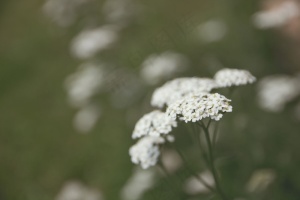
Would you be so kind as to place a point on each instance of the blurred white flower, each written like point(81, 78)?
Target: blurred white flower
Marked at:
point(160, 67)
point(146, 151)
point(84, 83)
point(277, 16)
point(199, 106)
point(63, 12)
point(233, 77)
point(276, 91)
point(179, 88)
point(119, 11)
point(170, 138)
point(212, 30)
point(260, 180)
point(86, 118)
point(193, 186)
point(90, 42)
point(171, 160)
point(74, 190)
point(140, 181)
point(155, 123)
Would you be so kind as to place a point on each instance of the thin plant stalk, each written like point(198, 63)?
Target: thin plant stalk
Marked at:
point(199, 178)
point(171, 183)
point(195, 136)
point(211, 160)
point(215, 135)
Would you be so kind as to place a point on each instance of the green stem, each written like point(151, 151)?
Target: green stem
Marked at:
point(194, 173)
point(172, 184)
point(211, 161)
point(195, 136)
point(203, 152)
point(215, 135)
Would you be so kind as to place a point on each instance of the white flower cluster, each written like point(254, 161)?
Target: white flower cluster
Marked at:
point(198, 107)
point(277, 90)
point(233, 77)
point(146, 151)
point(180, 88)
point(187, 99)
point(153, 129)
point(155, 123)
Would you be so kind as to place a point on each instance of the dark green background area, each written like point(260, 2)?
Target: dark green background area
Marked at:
point(40, 150)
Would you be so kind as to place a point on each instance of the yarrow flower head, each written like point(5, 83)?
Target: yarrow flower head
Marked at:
point(199, 106)
point(155, 123)
point(179, 88)
point(233, 77)
point(146, 151)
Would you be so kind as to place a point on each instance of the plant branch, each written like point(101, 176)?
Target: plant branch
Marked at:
point(193, 172)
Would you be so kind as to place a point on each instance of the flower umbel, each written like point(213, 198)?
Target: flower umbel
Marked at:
point(179, 88)
point(233, 77)
point(189, 100)
point(199, 106)
point(146, 151)
point(155, 123)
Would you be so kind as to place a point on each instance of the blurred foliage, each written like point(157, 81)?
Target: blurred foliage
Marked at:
point(40, 150)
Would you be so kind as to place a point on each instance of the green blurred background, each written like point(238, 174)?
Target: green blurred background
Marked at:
point(40, 149)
